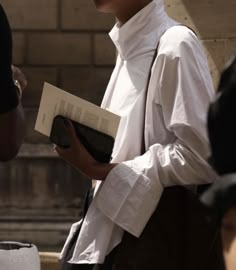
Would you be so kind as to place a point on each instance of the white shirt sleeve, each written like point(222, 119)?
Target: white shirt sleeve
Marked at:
point(132, 190)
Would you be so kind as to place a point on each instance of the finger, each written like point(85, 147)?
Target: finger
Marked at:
point(54, 147)
point(23, 83)
point(71, 132)
point(60, 150)
point(19, 76)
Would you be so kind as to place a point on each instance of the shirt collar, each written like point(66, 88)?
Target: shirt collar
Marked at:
point(136, 35)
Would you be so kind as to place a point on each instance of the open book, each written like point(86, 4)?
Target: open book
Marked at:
point(55, 101)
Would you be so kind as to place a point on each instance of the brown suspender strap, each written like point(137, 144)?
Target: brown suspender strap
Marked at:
point(149, 79)
point(146, 93)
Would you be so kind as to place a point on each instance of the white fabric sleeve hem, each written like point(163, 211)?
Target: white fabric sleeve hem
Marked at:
point(128, 197)
point(73, 230)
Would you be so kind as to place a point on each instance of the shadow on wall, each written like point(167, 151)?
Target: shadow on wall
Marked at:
point(215, 23)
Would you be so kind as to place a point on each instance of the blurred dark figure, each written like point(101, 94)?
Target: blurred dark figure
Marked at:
point(12, 83)
point(221, 197)
point(221, 122)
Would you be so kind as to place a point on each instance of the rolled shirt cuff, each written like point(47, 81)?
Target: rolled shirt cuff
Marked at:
point(74, 228)
point(128, 197)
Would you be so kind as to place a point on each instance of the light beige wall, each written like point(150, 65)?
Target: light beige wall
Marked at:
point(215, 23)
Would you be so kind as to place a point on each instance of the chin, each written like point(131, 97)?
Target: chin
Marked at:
point(102, 5)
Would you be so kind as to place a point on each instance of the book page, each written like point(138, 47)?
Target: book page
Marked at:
point(55, 101)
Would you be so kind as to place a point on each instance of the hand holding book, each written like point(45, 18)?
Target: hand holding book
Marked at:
point(97, 143)
point(89, 135)
point(78, 156)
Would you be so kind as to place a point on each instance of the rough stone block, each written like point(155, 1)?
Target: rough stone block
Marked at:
point(104, 50)
point(31, 14)
point(18, 48)
point(87, 83)
point(45, 234)
point(59, 49)
point(36, 78)
point(33, 136)
point(211, 19)
point(42, 186)
point(218, 53)
point(49, 260)
point(82, 14)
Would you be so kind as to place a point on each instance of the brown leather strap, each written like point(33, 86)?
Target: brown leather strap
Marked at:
point(146, 92)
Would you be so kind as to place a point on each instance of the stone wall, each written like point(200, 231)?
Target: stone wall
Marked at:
point(64, 42)
point(215, 23)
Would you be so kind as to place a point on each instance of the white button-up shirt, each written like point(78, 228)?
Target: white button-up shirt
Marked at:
point(174, 128)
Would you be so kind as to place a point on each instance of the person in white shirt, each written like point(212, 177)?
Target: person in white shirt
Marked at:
point(169, 121)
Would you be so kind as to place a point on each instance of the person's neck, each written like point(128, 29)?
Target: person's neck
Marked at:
point(130, 11)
